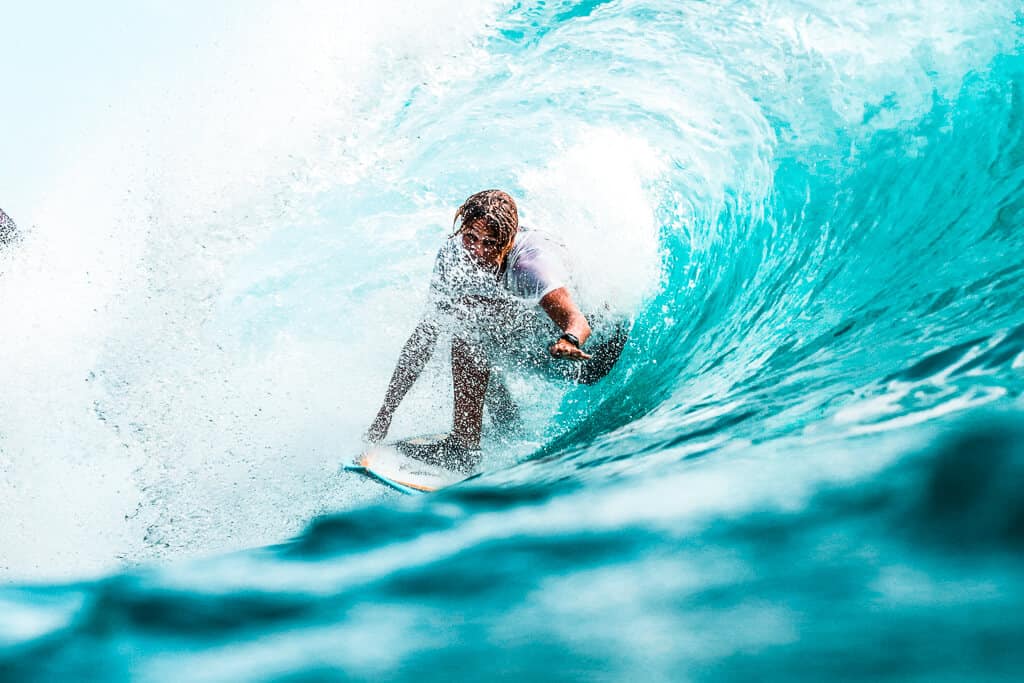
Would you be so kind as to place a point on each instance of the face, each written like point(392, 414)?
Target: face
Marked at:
point(481, 243)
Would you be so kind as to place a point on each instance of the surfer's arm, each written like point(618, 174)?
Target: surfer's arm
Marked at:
point(414, 357)
point(562, 310)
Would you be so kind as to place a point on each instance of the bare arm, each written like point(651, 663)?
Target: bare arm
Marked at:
point(560, 307)
point(414, 357)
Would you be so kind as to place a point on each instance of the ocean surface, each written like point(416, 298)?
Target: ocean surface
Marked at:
point(808, 463)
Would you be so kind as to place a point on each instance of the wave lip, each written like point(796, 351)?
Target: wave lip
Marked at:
point(817, 215)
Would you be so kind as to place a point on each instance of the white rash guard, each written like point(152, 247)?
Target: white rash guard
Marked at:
point(535, 267)
point(511, 328)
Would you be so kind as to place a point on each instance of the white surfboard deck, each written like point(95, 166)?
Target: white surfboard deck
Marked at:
point(389, 465)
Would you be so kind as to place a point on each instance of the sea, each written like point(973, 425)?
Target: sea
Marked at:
point(808, 463)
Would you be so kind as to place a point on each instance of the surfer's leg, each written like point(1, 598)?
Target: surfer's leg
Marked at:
point(500, 406)
point(470, 372)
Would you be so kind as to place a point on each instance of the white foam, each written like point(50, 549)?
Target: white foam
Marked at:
point(596, 195)
point(126, 430)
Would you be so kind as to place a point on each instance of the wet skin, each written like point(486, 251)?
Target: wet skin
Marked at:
point(470, 368)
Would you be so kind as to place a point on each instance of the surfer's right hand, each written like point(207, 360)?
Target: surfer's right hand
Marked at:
point(564, 349)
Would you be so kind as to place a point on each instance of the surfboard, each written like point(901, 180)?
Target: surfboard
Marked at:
point(395, 464)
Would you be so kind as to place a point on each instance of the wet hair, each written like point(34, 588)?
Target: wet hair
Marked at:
point(499, 212)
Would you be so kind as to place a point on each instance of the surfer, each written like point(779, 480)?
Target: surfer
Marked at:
point(504, 292)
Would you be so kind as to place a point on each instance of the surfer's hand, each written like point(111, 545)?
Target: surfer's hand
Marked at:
point(564, 349)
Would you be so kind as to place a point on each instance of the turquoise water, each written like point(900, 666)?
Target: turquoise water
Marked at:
point(806, 464)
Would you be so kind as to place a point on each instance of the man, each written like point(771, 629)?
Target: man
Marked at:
point(498, 288)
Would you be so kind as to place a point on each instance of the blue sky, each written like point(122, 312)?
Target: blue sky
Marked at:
point(66, 68)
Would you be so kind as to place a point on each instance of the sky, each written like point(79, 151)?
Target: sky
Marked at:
point(66, 70)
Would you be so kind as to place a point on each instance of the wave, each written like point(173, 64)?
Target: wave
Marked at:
point(810, 215)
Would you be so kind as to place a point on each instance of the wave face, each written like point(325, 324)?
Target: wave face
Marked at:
point(803, 466)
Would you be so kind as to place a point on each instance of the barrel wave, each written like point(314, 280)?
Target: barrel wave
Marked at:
point(804, 465)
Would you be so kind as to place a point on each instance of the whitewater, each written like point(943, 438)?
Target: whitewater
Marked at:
point(805, 465)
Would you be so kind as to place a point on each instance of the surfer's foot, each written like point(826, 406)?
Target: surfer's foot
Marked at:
point(450, 454)
point(459, 457)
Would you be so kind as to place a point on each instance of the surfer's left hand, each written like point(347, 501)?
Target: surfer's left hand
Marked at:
point(564, 349)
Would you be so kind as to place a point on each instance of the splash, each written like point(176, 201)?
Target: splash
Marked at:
point(811, 216)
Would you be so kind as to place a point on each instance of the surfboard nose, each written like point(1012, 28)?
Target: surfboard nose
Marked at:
point(417, 465)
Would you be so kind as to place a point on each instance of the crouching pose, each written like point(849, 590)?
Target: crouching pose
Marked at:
point(503, 291)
